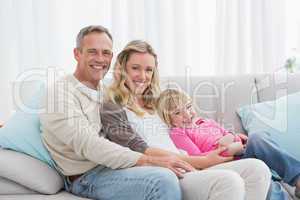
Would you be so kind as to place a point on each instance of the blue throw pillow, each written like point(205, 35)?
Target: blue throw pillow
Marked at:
point(279, 118)
point(22, 132)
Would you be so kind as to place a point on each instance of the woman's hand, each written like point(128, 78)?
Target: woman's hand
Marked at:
point(178, 166)
point(208, 160)
point(214, 158)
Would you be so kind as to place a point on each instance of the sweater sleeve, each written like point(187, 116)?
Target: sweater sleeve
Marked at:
point(71, 126)
point(184, 142)
point(116, 127)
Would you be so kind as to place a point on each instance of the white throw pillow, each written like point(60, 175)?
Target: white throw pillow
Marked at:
point(29, 172)
point(10, 187)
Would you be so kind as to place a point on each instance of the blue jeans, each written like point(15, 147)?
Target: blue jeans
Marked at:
point(262, 147)
point(136, 183)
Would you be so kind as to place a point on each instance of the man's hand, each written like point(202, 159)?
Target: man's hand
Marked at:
point(178, 166)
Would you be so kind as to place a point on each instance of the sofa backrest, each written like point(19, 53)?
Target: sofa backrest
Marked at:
point(274, 85)
point(217, 97)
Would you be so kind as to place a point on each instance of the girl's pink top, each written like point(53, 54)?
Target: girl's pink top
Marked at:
point(201, 139)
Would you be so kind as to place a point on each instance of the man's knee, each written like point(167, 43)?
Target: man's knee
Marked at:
point(165, 184)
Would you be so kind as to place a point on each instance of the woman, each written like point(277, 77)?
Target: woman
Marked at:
point(135, 87)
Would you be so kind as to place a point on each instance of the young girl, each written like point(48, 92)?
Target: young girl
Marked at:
point(198, 136)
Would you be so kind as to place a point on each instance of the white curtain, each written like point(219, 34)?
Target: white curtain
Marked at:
point(191, 37)
point(250, 36)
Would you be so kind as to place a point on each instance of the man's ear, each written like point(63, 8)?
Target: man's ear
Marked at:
point(76, 53)
point(112, 55)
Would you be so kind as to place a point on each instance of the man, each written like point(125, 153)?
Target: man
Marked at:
point(95, 167)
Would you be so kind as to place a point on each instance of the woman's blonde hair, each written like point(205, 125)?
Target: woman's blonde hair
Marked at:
point(168, 101)
point(119, 93)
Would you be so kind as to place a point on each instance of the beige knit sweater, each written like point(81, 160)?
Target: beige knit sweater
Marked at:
point(70, 129)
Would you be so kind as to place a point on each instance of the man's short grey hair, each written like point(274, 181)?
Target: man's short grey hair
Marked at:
point(90, 29)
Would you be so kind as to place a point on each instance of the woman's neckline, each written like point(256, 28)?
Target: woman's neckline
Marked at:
point(145, 111)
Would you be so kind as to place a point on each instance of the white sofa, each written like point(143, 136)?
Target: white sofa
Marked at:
point(215, 97)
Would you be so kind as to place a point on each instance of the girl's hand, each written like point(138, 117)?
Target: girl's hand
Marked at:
point(243, 137)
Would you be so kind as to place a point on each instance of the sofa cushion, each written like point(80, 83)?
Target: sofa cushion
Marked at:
point(278, 118)
point(10, 187)
point(22, 132)
point(63, 195)
point(29, 172)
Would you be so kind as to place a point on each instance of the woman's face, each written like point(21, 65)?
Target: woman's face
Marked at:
point(139, 70)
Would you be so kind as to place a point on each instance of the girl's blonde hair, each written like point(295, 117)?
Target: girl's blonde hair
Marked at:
point(119, 93)
point(168, 101)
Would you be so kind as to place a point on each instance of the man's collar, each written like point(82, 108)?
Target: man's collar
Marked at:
point(95, 95)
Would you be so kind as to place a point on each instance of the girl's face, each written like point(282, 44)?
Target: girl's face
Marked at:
point(182, 117)
point(139, 70)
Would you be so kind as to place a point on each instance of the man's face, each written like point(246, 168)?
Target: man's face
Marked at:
point(94, 58)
